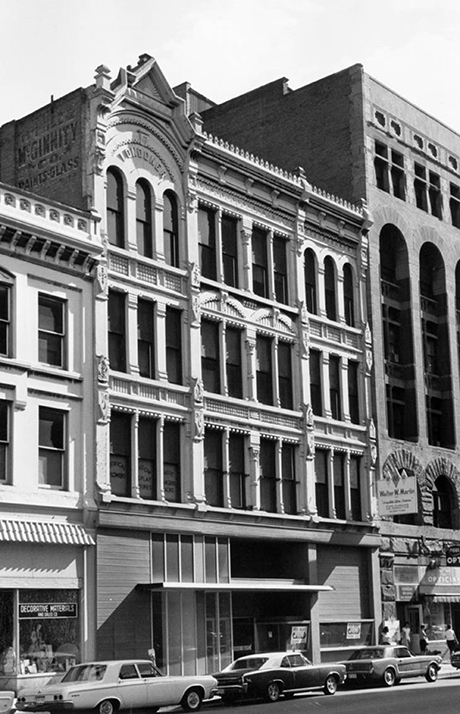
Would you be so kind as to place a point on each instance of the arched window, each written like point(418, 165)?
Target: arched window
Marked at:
point(115, 208)
point(329, 287)
point(310, 282)
point(443, 503)
point(144, 218)
point(171, 229)
point(348, 296)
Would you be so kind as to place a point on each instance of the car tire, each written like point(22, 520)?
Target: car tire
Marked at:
point(191, 701)
point(389, 677)
point(330, 685)
point(431, 673)
point(107, 706)
point(273, 692)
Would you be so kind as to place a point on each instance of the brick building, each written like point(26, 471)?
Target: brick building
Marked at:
point(235, 449)
point(358, 139)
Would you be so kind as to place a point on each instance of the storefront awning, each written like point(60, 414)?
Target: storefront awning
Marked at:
point(237, 584)
point(448, 597)
point(44, 532)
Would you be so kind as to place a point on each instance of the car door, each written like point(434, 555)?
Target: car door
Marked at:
point(408, 665)
point(305, 675)
point(160, 690)
point(285, 672)
point(131, 687)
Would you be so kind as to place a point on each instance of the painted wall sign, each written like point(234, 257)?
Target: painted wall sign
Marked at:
point(47, 610)
point(397, 493)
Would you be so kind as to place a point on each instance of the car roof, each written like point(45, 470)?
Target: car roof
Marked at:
point(108, 662)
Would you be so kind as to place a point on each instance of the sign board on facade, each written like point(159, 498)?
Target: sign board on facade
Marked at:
point(299, 635)
point(47, 610)
point(397, 493)
point(441, 581)
point(353, 630)
point(453, 560)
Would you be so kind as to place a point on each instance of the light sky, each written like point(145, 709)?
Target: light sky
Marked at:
point(226, 47)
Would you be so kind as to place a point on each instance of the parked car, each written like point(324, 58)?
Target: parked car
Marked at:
point(455, 659)
point(108, 686)
point(6, 701)
point(389, 664)
point(272, 674)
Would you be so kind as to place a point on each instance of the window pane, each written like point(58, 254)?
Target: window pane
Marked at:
point(117, 331)
point(233, 362)
point(280, 269)
point(145, 338)
point(268, 475)
point(115, 208)
point(144, 219)
point(285, 375)
point(237, 471)
point(120, 454)
point(171, 229)
point(207, 240)
point(173, 345)
point(210, 356)
point(172, 461)
point(264, 370)
point(229, 250)
point(213, 475)
point(147, 458)
point(51, 330)
point(259, 262)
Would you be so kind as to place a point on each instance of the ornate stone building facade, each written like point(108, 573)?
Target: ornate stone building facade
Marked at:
point(235, 447)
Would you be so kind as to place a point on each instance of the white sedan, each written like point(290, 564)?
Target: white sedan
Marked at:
point(120, 684)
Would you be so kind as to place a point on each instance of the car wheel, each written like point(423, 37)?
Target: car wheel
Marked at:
point(273, 692)
point(106, 707)
point(431, 673)
point(330, 685)
point(191, 701)
point(389, 677)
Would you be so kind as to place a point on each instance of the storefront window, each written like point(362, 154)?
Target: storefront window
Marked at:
point(8, 657)
point(48, 630)
point(346, 634)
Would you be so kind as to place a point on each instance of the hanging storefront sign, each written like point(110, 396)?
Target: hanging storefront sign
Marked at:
point(47, 610)
point(397, 493)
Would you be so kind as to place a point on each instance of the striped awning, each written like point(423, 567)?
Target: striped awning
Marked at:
point(15, 530)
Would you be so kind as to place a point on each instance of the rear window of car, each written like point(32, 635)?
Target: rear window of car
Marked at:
point(85, 673)
point(367, 654)
point(249, 663)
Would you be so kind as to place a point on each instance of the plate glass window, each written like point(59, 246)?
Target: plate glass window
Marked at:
point(4, 439)
point(5, 325)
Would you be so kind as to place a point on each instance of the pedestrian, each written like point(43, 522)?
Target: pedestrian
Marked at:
point(385, 637)
point(451, 638)
point(423, 638)
point(405, 635)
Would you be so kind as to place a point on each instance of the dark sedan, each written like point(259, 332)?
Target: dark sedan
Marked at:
point(272, 674)
point(388, 664)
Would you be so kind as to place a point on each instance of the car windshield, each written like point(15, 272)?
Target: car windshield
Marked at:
point(85, 673)
point(367, 654)
point(249, 663)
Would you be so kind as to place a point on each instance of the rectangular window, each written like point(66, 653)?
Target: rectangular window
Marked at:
point(339, 486)
point(233, 364)
point(237, 470)
point(353, 396)
point(381, 167)
point(145, 338)
point(397, 175)
point(389, 170)
point(454, 204)
point(268, 475)
point(285, 375)
point(120, 454)
point(288, 478)
point(334, 387)
point(5, 319)
point(260, 262)
point(210, 362)
point(172, 461)
point(355, 488)
point(264, 370)
point(207, 242)
point(420, 187)
point(117, 331)
point(280, 270)
point(434, 192)
point(213, 472)
point(51, 447)
point(51, 327)
point(321, 486)
point(147, 458)
point(315, 383)
point(230, 250)
point(4, 439)
point(174, 345)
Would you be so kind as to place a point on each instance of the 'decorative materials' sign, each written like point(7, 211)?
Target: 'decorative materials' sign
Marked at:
point(47, 610)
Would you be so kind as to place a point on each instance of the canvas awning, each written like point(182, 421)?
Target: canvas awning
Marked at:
point(16, 530)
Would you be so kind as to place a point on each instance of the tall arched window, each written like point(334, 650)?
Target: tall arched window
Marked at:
point(144, 218)
point(115, 208)
point(329, 287)
point(348, 296)
point(443, 503)
point(171, 229)
point(310, 282)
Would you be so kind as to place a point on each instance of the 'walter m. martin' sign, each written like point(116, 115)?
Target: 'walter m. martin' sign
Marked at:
point(397, 493)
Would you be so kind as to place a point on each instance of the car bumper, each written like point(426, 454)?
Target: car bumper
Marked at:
point(230, 690)
point(53, 706)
